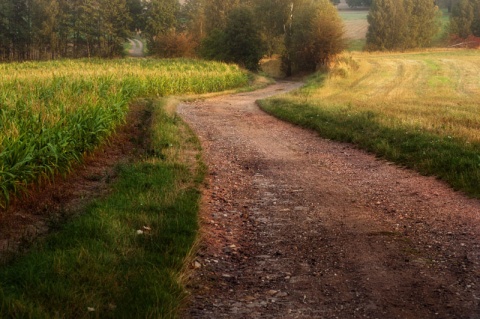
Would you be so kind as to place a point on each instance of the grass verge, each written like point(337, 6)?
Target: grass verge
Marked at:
point(123, 257)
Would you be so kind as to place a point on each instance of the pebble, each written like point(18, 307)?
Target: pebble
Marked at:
point(272, 292)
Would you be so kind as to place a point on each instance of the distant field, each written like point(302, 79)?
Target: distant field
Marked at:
point(418, 109)
point(356, 27)
point(356, 24)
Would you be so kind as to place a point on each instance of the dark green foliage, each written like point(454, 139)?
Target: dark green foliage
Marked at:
point(446, 4)
point(465, 18)
point(401, 24)
point(216, 13)
point(313, 35)
point(272, 16)
point(243, 42)
point(213, 47)
point(161, 17)
point(239, 42)
point(476, 18)
point(202, 17)
point(136, 12)
point(45, 29)
point(19, 28)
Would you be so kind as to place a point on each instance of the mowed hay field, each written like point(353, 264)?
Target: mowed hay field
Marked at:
point(420, 109)
point(436, 92)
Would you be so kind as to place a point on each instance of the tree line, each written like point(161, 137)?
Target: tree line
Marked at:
point(48, 29)
point(465, 18)
point(240, 31)
point(402, 24)
point(408, 24)
point(306, 33)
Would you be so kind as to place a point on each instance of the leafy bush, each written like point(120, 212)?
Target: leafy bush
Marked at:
point(465, 19)
point(401, 24)
point(239, 42)
point(173, 45)
point(313, 37)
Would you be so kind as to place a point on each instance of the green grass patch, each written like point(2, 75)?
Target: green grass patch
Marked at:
point(123, 257)
point(441, 38)
point(418, 110)
point(356, 44)
point(352, 15)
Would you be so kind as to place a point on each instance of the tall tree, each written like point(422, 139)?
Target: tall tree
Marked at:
point(462, 18)
point(314, 35)
point(194, 19)
point(20, 25)
point(161, 16)
point(242, 39)
point(46, 23)
point(401, 24)
point(6, 8)
point(476, 18)
point(115, 27)
point(423, 24)
point(136, 10)
point(387, 25)
point(238, 42)
point(217, 12)
point(272, 16)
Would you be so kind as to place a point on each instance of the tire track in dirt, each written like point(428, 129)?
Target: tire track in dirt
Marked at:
point(295, 226)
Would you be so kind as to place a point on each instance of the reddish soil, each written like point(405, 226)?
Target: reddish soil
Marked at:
point(44, 207)
point(296, 226)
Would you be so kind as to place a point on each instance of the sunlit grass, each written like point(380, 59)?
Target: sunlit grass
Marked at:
point(420, 109)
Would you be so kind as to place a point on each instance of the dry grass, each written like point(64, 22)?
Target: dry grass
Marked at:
point(436, 91)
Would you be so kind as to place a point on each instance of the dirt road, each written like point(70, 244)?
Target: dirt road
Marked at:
point(296, 226)
point(137, 48)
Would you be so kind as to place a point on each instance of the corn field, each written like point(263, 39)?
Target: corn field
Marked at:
point(52, 113)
